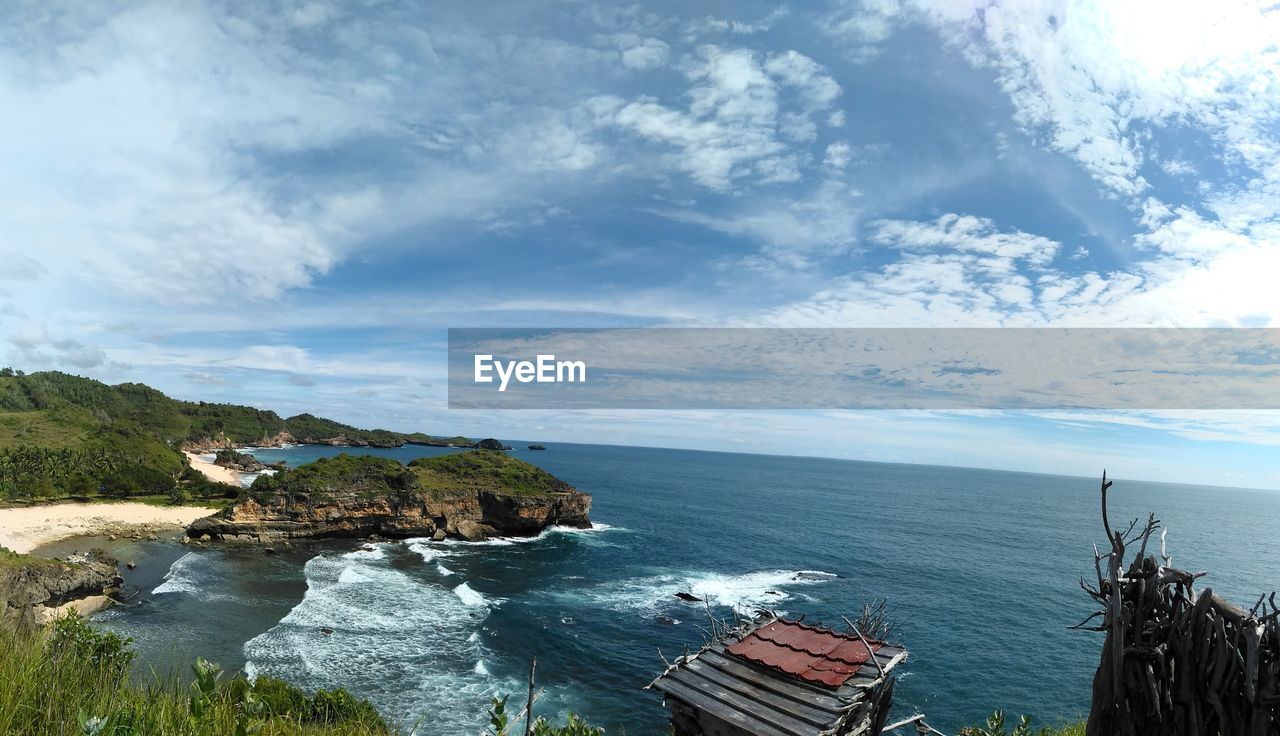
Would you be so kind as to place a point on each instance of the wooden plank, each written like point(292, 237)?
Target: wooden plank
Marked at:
point(702, 702)
point(816, 716)
point(783, 722)
point(771, 679)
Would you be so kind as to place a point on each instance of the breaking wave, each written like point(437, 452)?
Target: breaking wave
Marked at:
point(655, 594)
point(196, 574)
point(411, 646)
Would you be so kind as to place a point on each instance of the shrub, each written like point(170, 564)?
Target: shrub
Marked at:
point(78, 677)
point(502, 724)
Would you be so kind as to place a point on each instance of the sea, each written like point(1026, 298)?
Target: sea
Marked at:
point(980, 570)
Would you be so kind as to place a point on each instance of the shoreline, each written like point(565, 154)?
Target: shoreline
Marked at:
point(23, 529)
point(213, 472)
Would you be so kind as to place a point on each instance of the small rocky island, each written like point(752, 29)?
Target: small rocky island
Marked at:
point(239, 461)
point(470, 495)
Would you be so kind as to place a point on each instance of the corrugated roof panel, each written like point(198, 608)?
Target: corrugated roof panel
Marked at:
point(810, 653)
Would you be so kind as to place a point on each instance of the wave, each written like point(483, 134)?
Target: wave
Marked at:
point(412, 646)
point(430, 549)
point(196, 574)
point(656, 594)
point(369, 552)
point(469, 596)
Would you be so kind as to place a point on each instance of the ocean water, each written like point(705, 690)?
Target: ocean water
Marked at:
point(980, 568)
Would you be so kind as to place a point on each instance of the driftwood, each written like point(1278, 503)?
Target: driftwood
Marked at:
point(1176, 662)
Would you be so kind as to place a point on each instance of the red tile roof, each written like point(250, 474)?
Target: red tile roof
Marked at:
point(810, 653)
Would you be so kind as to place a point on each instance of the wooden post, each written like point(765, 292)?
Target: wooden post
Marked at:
point(528, 708)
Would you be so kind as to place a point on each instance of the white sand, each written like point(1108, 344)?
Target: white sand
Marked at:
point(24, 529)
point(214, 472)
point(83, 606)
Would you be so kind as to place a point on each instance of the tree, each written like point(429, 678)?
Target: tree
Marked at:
point(6, 372)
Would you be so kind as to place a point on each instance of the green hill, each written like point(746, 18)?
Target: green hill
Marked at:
point(66, 435)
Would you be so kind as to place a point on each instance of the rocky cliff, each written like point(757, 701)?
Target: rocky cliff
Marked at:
point(222, 442)
point(34, 590)
point(471, 495)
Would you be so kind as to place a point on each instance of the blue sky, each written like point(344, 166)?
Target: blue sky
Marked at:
point(287, 205)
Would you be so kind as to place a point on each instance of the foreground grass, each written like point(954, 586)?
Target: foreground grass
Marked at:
point(74, 681)
point(996, 725)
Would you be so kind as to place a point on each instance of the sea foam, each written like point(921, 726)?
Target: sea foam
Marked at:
point(654, 594)
point(410, 645)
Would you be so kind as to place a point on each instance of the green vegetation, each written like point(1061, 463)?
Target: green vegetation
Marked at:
point(364, 475)
point(306, 428)
point(76, 681)
point(502, 723)
point(995, 726)
point(223, 457)
point(485, 469)
point(10, 560)
point(373, 477)
point(67, 436)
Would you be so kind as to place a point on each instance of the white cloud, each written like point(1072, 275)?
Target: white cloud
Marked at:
point(838, 155)
point(641, 53)
point(967, 234)
point(861, 25)
point(794, 231)
point(1094, 78)
point(1178, 167)
point(730, 130)
point(33, 347)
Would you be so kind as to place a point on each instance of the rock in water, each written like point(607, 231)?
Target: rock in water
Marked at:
point(472, 495)
point(491, 444)
point(473, 531)
point(688, 597)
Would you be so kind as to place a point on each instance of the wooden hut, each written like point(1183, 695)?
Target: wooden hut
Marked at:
point(778, 677)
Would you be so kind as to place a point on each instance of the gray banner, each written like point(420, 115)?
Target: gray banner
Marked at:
point(785, 368)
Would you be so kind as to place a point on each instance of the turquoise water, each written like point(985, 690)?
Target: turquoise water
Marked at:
point(981, 568)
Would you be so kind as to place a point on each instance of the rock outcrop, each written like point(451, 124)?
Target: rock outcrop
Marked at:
point(491, 444)
point(222, 442)
point(239, 461)
point(34, 590)
point(471, 496)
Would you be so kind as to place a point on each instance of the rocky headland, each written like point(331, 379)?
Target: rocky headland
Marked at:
point(326, 434)
point(34, 591)
point(470, 495)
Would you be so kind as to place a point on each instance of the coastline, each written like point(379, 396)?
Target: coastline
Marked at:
point(25, 528)
point(213, 472)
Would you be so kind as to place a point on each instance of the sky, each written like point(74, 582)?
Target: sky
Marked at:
point(287, 204)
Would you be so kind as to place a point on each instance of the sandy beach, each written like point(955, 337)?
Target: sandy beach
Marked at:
point(213, 472)
point(24, 529)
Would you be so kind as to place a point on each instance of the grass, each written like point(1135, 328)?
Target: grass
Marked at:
point(75, 681)
point(369, 476)
point(997, 725)
point(64, 427)
point(485, 469)
point(10, 560)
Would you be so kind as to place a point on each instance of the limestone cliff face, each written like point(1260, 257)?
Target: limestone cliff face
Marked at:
point(30, 592)
point(222, 442)
point(356, 497)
